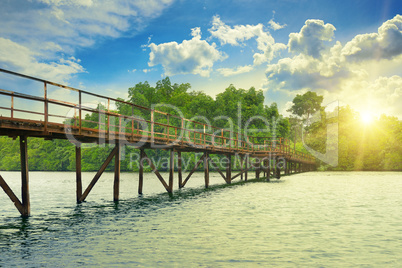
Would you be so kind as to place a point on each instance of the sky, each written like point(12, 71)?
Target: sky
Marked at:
point(349, 51)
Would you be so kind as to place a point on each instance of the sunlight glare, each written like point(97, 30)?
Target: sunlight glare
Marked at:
point(366, 118)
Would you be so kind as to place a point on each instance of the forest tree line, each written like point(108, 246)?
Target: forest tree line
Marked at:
point(377, 146)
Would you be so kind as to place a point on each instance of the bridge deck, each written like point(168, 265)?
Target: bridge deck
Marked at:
point(69, 117)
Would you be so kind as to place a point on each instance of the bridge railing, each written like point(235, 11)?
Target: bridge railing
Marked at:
point(91, 112)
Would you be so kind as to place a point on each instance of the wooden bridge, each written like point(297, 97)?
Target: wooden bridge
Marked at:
point(39, 114)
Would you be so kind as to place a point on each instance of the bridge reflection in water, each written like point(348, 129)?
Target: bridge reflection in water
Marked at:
point(141, 127)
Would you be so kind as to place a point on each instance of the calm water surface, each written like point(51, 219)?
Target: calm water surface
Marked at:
point(312, 219)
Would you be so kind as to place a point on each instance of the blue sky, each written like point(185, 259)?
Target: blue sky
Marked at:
point(346, 50)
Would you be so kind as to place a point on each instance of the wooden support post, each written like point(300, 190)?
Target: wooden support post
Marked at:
point(268, 168)
point(179, 170)
point(206, 169)
point(258, 169)
point(229, 169)
point(78, 173)
point(24, 177)
point(241, 166)
point(264, 170)
point(141, 172)
point(116, 183)
point(171, 171)
point(247, 163)
point(277, 169)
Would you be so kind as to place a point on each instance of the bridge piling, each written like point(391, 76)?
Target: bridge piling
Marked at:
point(171, 171)
point(78, 180)
point(141, 172)
point(179, 169)
point(247, 159)
point(229, 169)
point(25, 177)
point(206, 169)
point(116, 182)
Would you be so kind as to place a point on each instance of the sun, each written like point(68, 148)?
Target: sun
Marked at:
point(366, 118)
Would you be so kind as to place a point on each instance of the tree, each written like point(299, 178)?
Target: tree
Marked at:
point(306, 104)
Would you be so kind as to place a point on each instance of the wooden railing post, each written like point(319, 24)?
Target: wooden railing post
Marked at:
point(80, 111)
point(46, 108)
point(152, 126)
point(108, 118)
point(12, 105)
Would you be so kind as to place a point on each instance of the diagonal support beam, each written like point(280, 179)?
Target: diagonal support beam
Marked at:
point(192, 171)
point(215, 167)
point(11, 195)
point(241, 172)
point(99, 173)
point(157, 172)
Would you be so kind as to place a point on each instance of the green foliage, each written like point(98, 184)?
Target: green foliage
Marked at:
point(376, 147)
point(306, 104)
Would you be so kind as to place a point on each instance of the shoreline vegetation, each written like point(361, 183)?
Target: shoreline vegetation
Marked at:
point(363, 146)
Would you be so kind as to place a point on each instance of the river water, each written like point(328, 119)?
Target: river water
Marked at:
point(315, 219)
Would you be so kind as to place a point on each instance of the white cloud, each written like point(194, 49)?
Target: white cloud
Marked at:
point(276, 26)
point(386, 44)
point(304, 71)
point(235, 71)
point(383, 95)
point(66, 25)
point(285, 109)
point(238, 34)
point(148, 70)
point(232, 36)
point(347, 73)
point(310, 39)
point(268, 54)
point(28, 62)
point(68, 2)
point(193, 56)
